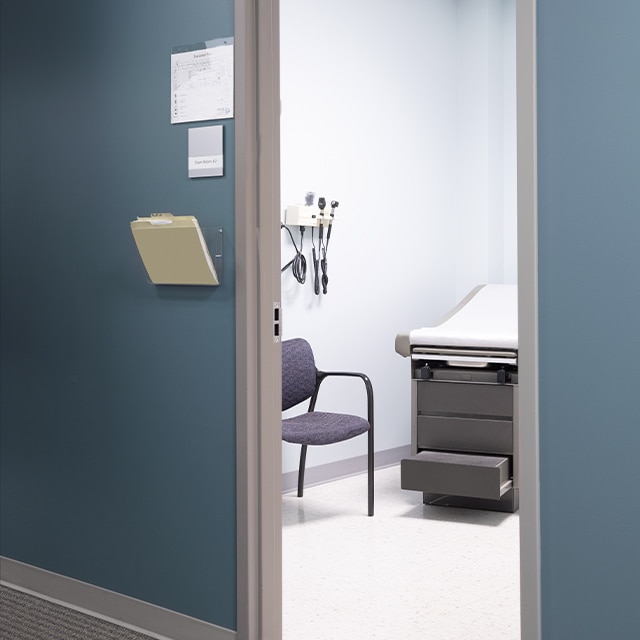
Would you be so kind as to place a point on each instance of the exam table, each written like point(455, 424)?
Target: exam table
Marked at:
point(464, 403)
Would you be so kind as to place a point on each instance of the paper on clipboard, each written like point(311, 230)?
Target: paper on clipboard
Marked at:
point(202, 81)
point(173, 250)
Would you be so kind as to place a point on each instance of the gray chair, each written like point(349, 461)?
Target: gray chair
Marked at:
point(301, 381)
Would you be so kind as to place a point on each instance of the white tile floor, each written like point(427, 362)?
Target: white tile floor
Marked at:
point(411, 571)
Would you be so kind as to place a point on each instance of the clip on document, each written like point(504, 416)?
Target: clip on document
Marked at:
point(173, 250)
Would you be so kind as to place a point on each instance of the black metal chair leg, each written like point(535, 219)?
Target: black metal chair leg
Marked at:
point(303, 458)
point(370, 470)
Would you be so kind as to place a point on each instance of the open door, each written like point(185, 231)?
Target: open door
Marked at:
point(258, 240)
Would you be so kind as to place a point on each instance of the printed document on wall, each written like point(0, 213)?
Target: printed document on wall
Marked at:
point(202, 81)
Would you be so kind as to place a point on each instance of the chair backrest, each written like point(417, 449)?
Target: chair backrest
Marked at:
point(298, 372)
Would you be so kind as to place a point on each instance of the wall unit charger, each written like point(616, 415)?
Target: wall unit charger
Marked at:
point(301, 215)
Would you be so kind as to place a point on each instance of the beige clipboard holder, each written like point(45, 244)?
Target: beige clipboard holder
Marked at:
point(173, 250)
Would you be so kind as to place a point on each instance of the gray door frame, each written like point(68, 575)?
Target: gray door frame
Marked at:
point(258, 379)
point(526, 96)
point(259, 463)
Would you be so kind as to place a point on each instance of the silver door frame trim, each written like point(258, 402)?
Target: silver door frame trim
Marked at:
point(258, 392)
point(526, 83)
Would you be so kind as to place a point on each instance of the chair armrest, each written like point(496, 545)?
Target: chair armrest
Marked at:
point(322, 375)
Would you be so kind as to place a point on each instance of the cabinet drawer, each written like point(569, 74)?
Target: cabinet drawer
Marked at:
point(463, 398)
point(481, 435)
point(457, 474)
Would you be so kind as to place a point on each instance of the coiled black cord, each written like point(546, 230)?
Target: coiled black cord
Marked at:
point(323, 265)
point(298, 263)
point(316, 267)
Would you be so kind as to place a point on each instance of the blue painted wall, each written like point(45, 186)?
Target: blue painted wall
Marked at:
point(589, 268)
point(118, 409)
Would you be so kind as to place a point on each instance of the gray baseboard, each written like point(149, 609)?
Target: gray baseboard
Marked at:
point(344, 468)
point(107, 605)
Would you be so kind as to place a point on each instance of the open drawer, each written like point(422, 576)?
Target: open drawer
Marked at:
point(457, 474)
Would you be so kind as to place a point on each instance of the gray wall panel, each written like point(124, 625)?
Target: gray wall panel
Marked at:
point(118, 410)
point(589, 233)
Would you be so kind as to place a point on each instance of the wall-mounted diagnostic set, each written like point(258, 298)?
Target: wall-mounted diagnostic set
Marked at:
point(311, 215)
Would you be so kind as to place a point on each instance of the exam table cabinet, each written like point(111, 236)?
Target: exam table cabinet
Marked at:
point(464, 436)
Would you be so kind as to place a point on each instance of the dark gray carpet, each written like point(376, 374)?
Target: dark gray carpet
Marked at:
point(25, 617)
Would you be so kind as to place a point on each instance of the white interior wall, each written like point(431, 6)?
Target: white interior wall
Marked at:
point(486, 144)
point(389, 107)
point(509, 143)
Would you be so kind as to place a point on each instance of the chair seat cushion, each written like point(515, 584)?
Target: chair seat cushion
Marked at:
point(318, 427)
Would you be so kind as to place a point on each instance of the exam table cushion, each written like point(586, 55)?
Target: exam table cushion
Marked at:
point(486, 318)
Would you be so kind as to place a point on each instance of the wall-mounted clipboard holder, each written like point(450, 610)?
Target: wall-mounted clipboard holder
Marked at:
point(218, 259)
point(174, 251)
